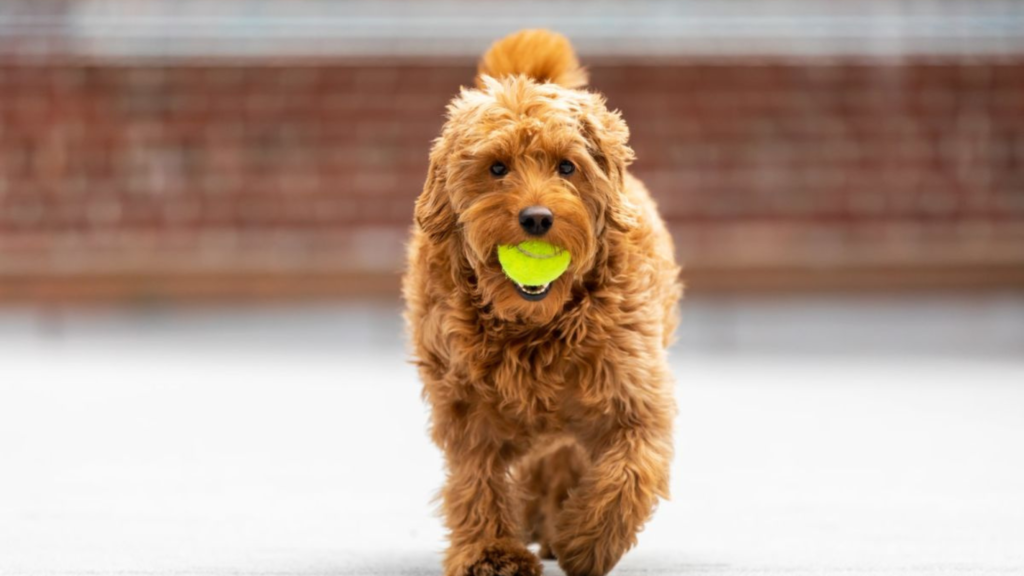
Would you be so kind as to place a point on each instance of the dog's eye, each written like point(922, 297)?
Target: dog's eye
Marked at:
point(499, 169)
point(566, 168)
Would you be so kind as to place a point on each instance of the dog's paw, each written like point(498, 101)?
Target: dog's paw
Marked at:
point(503, 559)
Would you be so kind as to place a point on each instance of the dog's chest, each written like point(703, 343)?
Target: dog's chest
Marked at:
point(529, 385)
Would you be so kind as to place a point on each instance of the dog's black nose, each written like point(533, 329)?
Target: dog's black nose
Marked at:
point(536, 220)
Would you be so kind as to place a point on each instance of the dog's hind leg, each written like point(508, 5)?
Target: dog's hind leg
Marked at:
point(545, 479)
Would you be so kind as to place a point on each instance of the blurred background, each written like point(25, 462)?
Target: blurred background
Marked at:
point(203, 211)
point(175, 150)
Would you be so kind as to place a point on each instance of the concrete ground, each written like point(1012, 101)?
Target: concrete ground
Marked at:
point(814, 437)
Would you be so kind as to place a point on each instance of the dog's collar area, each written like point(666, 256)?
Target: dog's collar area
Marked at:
point(532, 293)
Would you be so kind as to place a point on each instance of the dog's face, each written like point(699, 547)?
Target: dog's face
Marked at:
point(518, 160)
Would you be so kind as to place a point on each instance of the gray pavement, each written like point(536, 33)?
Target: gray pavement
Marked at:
point(816, 437)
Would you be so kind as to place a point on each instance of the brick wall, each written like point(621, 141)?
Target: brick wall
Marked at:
point(298, 178)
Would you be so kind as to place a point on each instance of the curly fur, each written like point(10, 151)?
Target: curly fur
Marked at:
point(554, 416)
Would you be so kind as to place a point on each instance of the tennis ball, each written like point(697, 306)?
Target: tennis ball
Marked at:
point(533, 263)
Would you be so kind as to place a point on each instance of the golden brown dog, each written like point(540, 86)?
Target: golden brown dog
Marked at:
point(552, 404)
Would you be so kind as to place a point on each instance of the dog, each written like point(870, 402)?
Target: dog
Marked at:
point(552, 404)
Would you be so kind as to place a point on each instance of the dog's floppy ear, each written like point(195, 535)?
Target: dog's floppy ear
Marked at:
point(434, 214)
point(607, 136)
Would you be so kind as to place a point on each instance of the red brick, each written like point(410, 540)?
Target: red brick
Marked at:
point(826, 152)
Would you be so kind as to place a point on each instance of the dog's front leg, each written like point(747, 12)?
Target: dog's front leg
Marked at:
point(616, 496)
point(480, 508)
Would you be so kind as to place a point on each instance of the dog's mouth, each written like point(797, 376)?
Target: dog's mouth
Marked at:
point(532, 293)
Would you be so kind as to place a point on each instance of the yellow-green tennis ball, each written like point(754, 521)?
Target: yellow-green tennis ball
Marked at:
point(533, 263)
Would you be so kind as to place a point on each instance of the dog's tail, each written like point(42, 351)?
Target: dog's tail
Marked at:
point(540, 54)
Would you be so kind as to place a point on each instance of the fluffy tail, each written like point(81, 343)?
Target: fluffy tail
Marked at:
point(540, 54)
